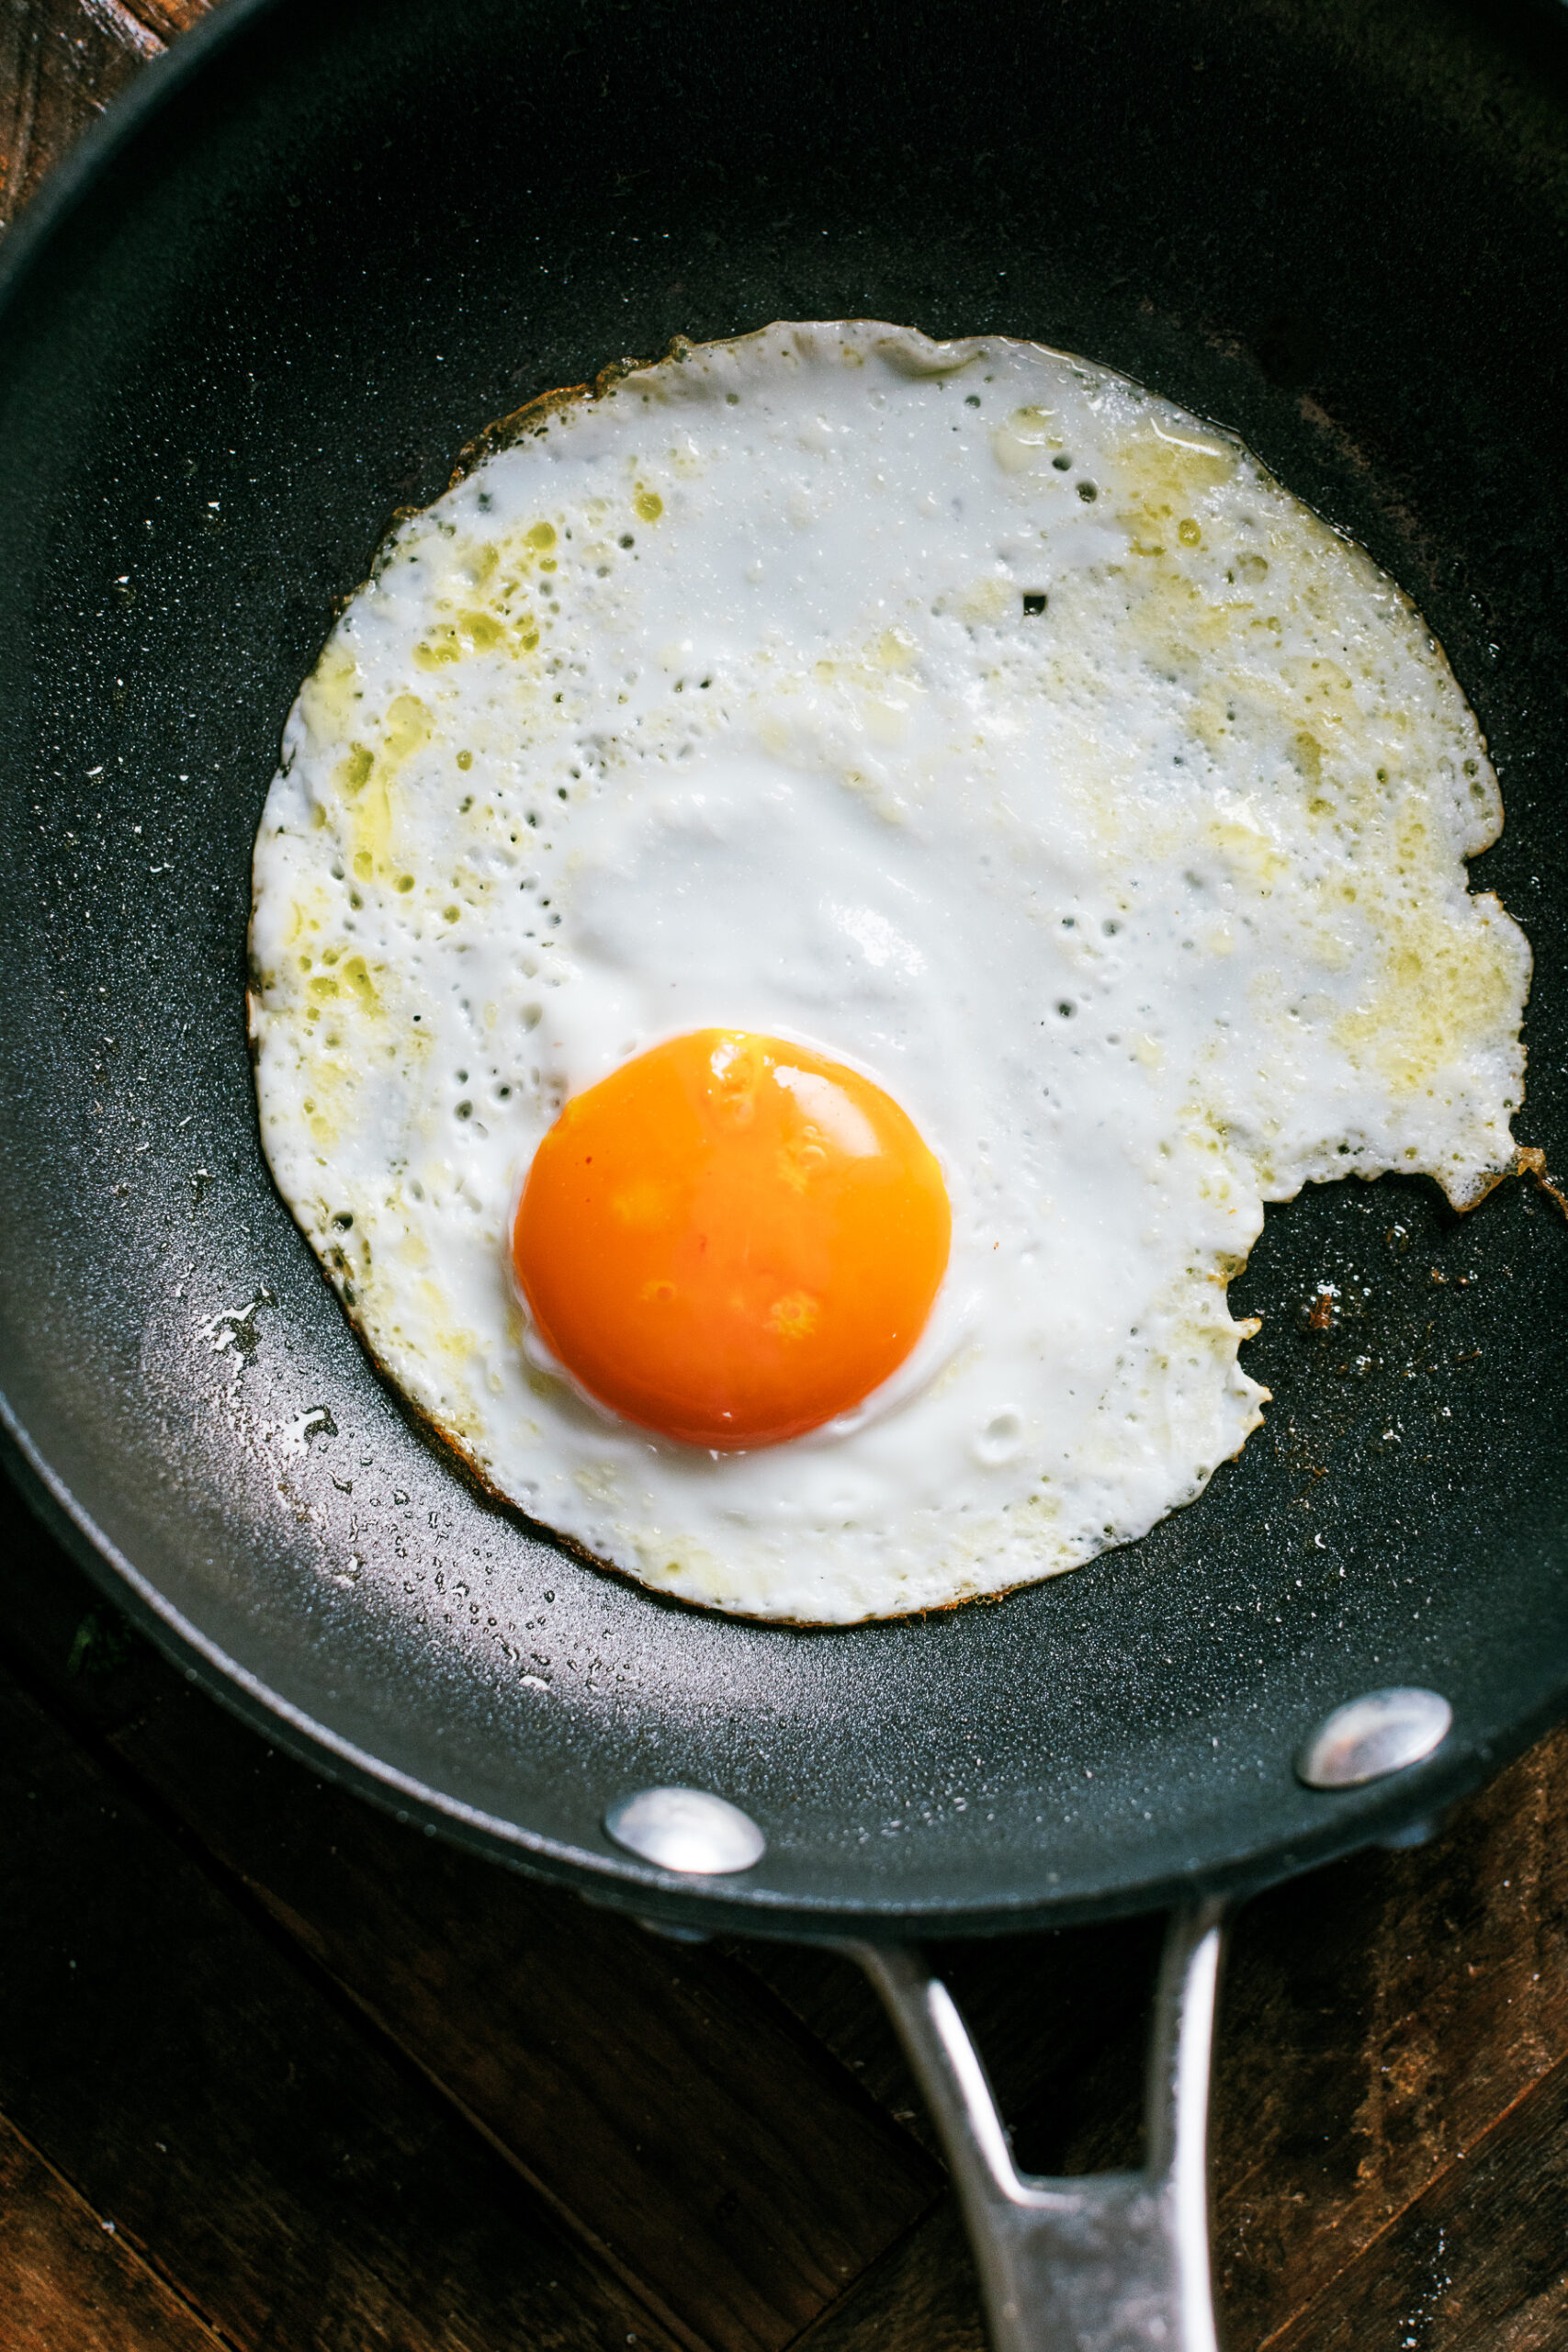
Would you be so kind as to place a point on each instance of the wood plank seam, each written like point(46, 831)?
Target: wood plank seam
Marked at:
point(273, 1928)
point(590, 2243)
point(1365, 2251)
point(1431, 2002)
point(229, 1885)
point(389, 2039)
point(126, 2240)
point(276, 2220)
point(290, 1938)
point(272, 1924)
point(831, 2314)
point(632, 2279)
point(155, 1741)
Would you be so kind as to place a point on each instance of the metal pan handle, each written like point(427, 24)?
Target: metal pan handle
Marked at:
point(1113, 2262)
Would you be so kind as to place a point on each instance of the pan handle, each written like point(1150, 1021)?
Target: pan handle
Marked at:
point(1112, 2262)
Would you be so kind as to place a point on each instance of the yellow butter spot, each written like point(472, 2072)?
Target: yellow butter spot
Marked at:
point(355, 972)
point(1161, 479)
point(986, 601)
point(372, 829)
point(894, 649)
point(648, 504)
point(408, 727)
point(1025, 442)
point(885, 722)
point(1307, 752)
point(1250, 854)
point(354, 768)
point(330, 693)
point(432, 652)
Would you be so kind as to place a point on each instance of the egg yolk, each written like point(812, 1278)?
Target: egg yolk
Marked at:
point(730, 1239)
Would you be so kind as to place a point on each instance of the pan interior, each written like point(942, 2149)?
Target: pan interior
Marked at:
point(300, 282)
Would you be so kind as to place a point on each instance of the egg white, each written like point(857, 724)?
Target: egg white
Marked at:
point(722, 697)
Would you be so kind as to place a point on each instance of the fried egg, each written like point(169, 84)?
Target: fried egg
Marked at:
point(806, 910)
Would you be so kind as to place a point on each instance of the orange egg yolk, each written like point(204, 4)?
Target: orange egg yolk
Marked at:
point(730, 1239)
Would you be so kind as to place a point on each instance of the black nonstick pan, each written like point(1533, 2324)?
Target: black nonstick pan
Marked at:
point(264, 307)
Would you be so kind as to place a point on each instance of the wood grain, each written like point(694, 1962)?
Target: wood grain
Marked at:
point(1034, 2004)
point(922, 2296)
point(703, 2145)
point(714, 2154)
point(1391, 2109)
point(60, 63)
point(70, 2283)
point(1380, 2017)
point(244, 2137)
point(337, 2087)
point(1479, 2263)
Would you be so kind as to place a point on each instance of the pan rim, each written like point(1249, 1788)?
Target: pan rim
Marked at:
point(1353, 1819)
point(70, 182)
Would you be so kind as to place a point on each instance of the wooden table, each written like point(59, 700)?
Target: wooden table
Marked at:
point(279, 2075)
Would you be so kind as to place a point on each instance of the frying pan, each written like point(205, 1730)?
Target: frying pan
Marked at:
point(261, 307)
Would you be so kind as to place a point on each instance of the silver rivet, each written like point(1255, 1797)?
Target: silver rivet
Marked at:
point(686, 1829)
point(1366, 1738)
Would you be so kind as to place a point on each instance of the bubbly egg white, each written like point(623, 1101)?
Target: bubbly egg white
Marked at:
point(976, 717)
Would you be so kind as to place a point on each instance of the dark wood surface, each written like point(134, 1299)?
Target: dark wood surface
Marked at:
point(279, 2075)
